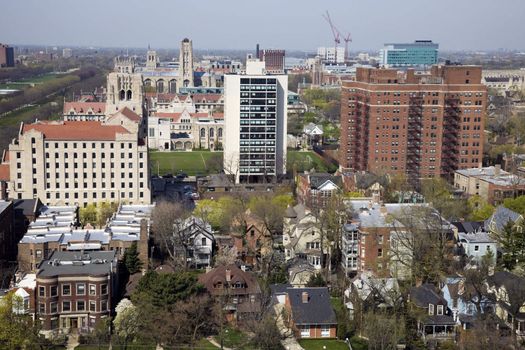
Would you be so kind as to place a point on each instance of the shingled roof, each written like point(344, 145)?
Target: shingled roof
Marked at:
point(311, 308)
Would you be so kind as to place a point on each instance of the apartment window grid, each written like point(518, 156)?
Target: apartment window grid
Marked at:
point(258, 98)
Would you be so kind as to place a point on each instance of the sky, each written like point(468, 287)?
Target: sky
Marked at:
point(240, 24)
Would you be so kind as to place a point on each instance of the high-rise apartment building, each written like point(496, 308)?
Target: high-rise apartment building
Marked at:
point(7, 56)
point(273, 60)
point(255, 113)
point(424, 125)
point(418, 53)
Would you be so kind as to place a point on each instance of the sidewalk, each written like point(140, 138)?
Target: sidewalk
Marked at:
point(289, 342)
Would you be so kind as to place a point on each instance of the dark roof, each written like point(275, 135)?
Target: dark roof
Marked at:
point(318, 179)
point(29, 207)
point(68, 263)
point(469, 226)
point(515, 289)
point(426, 294)
point(439, 320)
point(317, 310)
point(279, 288)
point(218, 274)
point(501, 217)
point(290, 213)
point(365, 180)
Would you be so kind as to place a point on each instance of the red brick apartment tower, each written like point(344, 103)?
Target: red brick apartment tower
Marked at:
point(421, 124)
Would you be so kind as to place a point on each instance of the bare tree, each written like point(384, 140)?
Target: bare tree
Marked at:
point(167, 220)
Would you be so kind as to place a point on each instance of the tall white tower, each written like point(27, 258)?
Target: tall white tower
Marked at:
point(255, 116)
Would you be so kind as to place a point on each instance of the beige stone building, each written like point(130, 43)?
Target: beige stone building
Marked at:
point(81, 162)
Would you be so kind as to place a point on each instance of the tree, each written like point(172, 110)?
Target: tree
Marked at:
point(88, 215)
point(480, 210)
point(316, 280)
point(105, 211)
point(516, 204)
point(266, 336)
point(126, 322)
point(131, 259)
point(226, 256)
point(17, 330)
point(383, 331)
point(166, 221)
point(511, 241)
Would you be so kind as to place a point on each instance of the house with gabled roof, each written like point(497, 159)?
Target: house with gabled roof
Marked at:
point(501, 217)
point(314, 190)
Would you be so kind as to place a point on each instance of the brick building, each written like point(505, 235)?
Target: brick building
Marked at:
point(75, 290)
point(423, 124)
point(273, 60)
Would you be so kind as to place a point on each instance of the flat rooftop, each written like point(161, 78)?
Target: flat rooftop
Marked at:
point(74, 263)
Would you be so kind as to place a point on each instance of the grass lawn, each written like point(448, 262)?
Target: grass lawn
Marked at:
point(235, 339)
point(358, 343)
point(318, 344)
point(308, 160)
point(191, 163)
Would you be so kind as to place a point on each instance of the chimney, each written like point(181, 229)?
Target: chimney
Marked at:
point(304, 297)
point(228, 275)
point(376, 198)
point(497, 170)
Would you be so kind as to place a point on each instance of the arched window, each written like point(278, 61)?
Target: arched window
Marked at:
point(122, 95)
point(173, 86)
point(219, 132)
point(128, 95)
point(212, 132)
point(186, 83)
point(160, 86)
point(203, 132)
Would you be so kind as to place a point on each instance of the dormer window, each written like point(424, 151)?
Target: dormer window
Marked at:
point(440, 309)
point(431, 309)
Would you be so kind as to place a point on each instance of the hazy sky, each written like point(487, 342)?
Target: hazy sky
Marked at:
point(240, 24)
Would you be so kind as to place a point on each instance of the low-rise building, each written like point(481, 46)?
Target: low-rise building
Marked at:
point(435, 321)
point(237, 291)
point(310, 313)
point(492, 183)
point(475, 242)
point(56, 230)
point(302, 237)
point(199, 241)
point(500, 218)
point(75, 290)
point(316, 189)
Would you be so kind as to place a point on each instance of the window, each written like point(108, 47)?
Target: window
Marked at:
point(54, 291)
point(325, 331)
point(66, 289)
point(431, 309)
point(104, 289)
point(53, 307)
point(305, 331)
point(42, 308)
point(66, 306)
point(92, 289)
point(476, 248)
point(104, 305)
point(440, 309)
point(81, 289)
point(92, 306)
point(81, 305)
point(203, 241)
point(41, 291)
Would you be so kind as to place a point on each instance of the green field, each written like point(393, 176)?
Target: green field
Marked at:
point(321, 344)
point(191, 163)
point(207, 162)
point(306, 161)
point(26, 82)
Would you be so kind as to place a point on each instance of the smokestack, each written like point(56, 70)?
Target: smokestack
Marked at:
point(257, 51)
point(304, 297)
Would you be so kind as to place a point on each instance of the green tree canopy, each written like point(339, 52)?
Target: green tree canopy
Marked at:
point(131, 259)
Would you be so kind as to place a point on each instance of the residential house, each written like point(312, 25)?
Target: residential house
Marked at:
point(508, 292)
point(75, 290)
point(372, 293)
point(315, 190)
point(199, 241)
point(501, 217)
point(238, 291)
point(434, 321)
point(310, 313)
point(254, 243)
point(350, 242)
point(302, 237)
point(313, 134)
point(474, 241)
point(299, 272)
point(463, 309)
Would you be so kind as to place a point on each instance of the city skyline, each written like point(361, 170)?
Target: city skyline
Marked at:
point(163, 24)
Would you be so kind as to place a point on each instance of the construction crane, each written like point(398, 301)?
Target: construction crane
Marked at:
point(346, 38)
point(335, 33)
